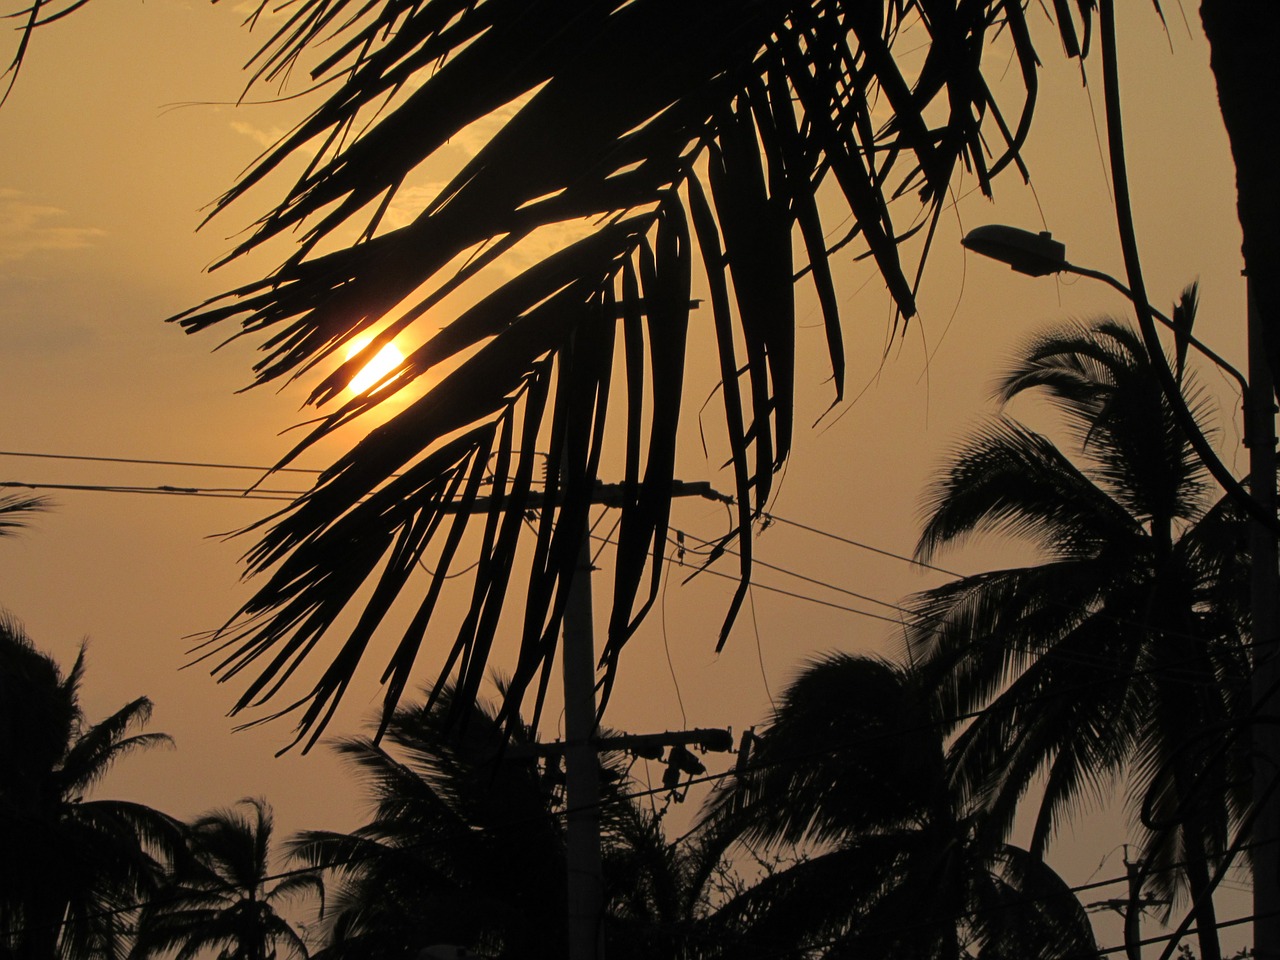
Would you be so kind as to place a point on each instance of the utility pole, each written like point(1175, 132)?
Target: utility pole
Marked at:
point(582, 768)
point(580, 746)
point(1133, 909)
point(1130, 906)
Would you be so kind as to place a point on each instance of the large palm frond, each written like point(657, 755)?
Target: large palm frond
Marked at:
point(1008, 479)
point(669, 138)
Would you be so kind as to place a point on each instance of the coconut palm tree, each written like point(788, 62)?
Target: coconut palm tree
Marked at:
point(462, 847)
point(75, 867)
point(850, 771)
point(223, 896)
point(1122, 651)
point(466, 846)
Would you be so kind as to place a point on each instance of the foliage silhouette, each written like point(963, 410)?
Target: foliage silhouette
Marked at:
point(672, 137)
point(852, 768)
point(609, 130)
point(15, 511)
point(466, 846)
point(220, 896)
point(73, 865)
point(1123, 652)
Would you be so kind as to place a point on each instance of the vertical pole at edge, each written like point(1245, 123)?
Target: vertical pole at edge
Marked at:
point(1264, 599)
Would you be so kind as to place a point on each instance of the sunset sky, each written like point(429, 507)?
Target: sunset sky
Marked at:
point(121, 129)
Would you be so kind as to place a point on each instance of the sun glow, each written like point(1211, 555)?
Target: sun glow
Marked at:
point(382, 363)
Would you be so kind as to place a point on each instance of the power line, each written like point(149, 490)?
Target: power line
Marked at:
point(165, 490)
point(1189, 676)
point(774, 518)
point(289, 496)
point(156, 463)
point(279, 495)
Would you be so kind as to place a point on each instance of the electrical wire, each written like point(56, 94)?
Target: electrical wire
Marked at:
point(208, 465)
point(916, 616)
point(666, 645)
point(276, 495)
point(221, 493)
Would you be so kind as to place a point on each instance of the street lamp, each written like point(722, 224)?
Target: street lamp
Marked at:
point(1039, 255)
point(1035, 254)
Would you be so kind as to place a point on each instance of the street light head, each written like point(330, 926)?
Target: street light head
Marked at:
point(1035, 254)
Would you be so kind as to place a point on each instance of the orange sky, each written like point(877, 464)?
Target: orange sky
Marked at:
point(104, 171)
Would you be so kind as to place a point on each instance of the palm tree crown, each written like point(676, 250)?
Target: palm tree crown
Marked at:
point(466, 846)
point(1123, 652)
point(462, 848)
point(222, 896)
point(851, 772)
point(75, 867)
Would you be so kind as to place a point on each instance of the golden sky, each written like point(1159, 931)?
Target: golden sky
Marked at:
point(118, 133)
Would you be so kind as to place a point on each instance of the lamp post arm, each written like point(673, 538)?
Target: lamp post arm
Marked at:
point(1208, 352)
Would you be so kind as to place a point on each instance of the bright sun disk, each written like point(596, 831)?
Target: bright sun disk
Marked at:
point(383, 362)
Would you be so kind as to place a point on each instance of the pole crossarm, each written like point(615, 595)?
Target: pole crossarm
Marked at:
point(606, 494)
point(647, 745)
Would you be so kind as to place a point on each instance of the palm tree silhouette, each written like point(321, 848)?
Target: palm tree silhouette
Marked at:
point(657, 139)
point(75, 867)
point(1123, 652)
point(466, 846)
point(462, 847)
point(223, 896)
point(851, 772)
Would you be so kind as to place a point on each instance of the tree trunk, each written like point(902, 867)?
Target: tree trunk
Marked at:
point(1198, 883)
point(1243, 37)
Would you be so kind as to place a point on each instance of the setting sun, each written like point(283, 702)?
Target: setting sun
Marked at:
point(382, 363)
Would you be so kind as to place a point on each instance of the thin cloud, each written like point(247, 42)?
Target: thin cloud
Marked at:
point(262, 137)
point(27, 227)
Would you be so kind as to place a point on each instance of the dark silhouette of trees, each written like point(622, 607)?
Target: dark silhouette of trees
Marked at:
point(466, 846)
point(1123, 652)
point(462, 847)
point(851, 769)
point(223, 896)
point(75, 867)
point(1240, 34)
